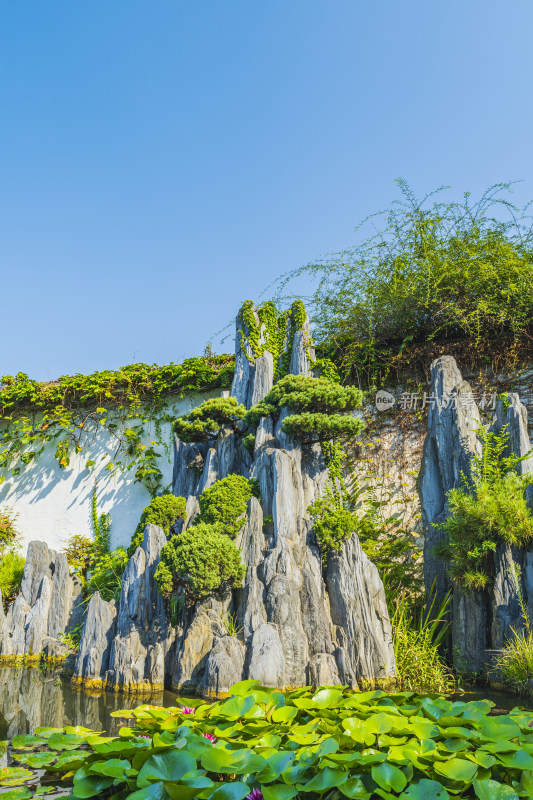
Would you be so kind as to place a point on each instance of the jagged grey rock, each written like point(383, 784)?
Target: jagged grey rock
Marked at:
point(61, 596)
point(188, 459)
point(359, 609)
point(35, 626)
point(323, 671)
point(266, 658)
point(262, 378)
point(45, 604)
point(210, 473)
point(192, 509)
point(53, 648)
point(481, 620)
point(97, 637)
point(194, 647)
point(142, 636)
point(450, 443)
point(303, 353)
point(224, 665)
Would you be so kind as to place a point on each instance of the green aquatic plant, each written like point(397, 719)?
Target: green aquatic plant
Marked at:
point(330, 742)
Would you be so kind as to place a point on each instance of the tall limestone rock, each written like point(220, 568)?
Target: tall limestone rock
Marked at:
point(48, 604)
point(298, 624)
point(481, 620)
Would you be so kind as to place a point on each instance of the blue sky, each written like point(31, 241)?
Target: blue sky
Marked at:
point(163, 161)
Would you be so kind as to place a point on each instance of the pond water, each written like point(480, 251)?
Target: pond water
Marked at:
point(31, 697)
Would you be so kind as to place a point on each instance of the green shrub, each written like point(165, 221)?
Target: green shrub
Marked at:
point(81, 553)
point(433, 270)
point(106, 574)
point(9, 532)
point(225, 503)
point(163, 511)
point(11, 571)
point(203, 423)
point(333, 523)
point(490, 509)
point(201, 560)
point(320, 408)
point(390, 547)
point(329, 742)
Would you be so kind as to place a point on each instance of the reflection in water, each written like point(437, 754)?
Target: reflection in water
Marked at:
point(31, 697)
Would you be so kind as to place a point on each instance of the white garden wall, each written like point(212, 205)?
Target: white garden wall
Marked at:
point(53, 503)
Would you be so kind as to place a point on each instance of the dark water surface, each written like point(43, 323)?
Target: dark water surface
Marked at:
point(31, 697)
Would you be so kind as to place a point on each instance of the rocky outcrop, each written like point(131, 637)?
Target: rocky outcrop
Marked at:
point(292, 622)
point(296, 624)
point(142, 639)
point(481, 620)
point(47, 605)
point(450, 443)
point(97, 637)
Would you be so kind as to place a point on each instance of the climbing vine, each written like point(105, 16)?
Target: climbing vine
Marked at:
point(266, 328)
point(127, 403)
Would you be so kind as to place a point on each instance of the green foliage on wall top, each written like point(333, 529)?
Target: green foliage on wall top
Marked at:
point(126, 403)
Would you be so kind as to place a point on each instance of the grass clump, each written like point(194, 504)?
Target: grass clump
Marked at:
point(417, 638)
point(11, 562)
point(515, 664)
point(11, 572)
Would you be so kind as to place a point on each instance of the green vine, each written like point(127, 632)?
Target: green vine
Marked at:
point(271, 324)
point(127, 403)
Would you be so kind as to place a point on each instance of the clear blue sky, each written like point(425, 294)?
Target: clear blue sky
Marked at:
point(163, 161)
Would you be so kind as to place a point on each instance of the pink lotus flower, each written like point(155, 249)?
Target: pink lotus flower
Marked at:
point(187, 710)
point(210, 737)
point(255, 794)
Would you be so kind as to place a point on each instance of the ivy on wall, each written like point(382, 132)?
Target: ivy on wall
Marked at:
point(127, 403)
